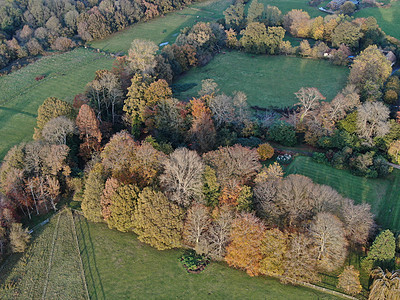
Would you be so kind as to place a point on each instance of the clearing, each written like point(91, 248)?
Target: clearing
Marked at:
point(50, 268)
point(124, 268)
point(268, 81)
point(381, 194)
point(163, 29)
point(21, 95)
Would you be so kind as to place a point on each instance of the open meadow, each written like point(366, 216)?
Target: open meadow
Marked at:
point(124, 268)
point(21, 95)
point(382, 194)
point(266, 80)
point(164, 29)
point(50, 269)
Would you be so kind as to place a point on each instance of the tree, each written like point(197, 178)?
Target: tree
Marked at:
point(273, 16)
point(394, 151)
point(372, 121)
point(208, 87)
point(89, 131)
point(94, 187)
point(265, 151)
point(273, 249)
point(300, 260)
point(370, 67)
point(196, 226)
point(385, 285)
point(349, 281)
point(297, 22)
point(234, 16)
point(329, 236)
point(222, 109)
point(157, 221)
point(382, 250)
point(211, 188)
point(244, 250)
point(358, 221)
point(218, 235)
point(58, 129)
point(51, 108)
point(182, 177)
point(19, 238)
point(255, 12)
point(141, 56)
point(236, 164)
point(391, 97)
point(346, 33)
point(202, 132)
point(122, 207)
point(282, 133)
point(309, 99)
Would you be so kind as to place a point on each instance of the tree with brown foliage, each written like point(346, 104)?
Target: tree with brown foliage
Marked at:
point(349, 281)
point(19, 238)
point(89, 131)
point(244, 250)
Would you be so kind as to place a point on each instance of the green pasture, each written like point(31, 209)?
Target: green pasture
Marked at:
point(287, 5)
point(165, 28)
point(388, 17)
point(382, 194)
point(34, 276)
point(21, 95)
point(266, 80)
point(118, 266)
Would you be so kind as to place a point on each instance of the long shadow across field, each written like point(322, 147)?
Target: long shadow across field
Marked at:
point(93, 279)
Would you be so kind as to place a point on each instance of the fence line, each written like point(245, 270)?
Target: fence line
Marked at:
point(51, 256)
point(80, 257)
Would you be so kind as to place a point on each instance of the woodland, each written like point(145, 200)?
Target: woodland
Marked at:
point(209, 173)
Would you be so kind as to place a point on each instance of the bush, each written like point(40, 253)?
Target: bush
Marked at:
point(390, 97)
point(193, 262)
point(266, 151)
point(283, 133)
point(320, 158)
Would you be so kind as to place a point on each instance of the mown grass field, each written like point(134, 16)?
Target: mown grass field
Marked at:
point(166, 28)
point(30, 276)
point(21, 95)
point(266, 80)
point(382, 194)
point(123, 268)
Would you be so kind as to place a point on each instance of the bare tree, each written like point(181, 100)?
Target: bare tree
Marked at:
point(358, 221)
point(208, 87)
point(142, 56)
point(222, 109)
point(372, 120)
point(242, 110)
point(56, 130)
point(182, 177)
point(309, 99)
point(196, 226)
point(328, 235)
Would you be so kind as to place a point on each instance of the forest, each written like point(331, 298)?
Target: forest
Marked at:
point(208, 173)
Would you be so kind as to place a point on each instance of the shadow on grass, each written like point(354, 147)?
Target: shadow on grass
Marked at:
point(94, 284)
point(7, 109)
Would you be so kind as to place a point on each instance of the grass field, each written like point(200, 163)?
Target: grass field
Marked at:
point(382, 194)
point(20, 95)
point(124, 268)
point(33, 277)
point(388, 18)
point(266, 80)
point(164, 29)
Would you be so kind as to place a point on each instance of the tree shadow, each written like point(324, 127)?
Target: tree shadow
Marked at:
point(93, 279)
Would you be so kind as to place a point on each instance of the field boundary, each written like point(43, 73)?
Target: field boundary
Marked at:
point(79, 254)
point(51, 255)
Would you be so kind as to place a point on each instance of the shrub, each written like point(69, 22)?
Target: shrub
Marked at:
point(283, 133)
point(193, 262)
point(390, 97)
point(265, 151)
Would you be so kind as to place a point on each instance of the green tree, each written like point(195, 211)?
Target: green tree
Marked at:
point(283, 133)
point(211, 189)
point(51, 108)
point(382, 251)
point(157, 221)
point(123, 202)
point(347, 33)
point(255, 12)
point(94, 186)
point(234, 16)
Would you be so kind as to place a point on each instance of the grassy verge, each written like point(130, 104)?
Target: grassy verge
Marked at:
point(381, 194)
point(166, 28)
point(266, 80)
point(21, 95)
point(118, 266)
point(25, 276)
